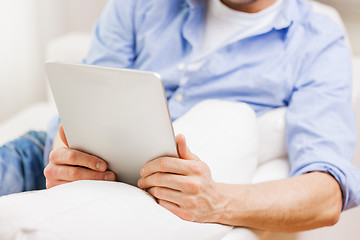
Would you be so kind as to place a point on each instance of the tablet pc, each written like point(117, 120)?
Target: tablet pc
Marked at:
point(118, 115)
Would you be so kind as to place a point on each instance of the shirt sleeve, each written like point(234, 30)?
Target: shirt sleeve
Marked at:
point(113, 40)
point(320, 120)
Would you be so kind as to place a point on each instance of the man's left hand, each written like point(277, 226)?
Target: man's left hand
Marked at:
point(183, 185)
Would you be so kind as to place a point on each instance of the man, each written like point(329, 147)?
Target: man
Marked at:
point(265, 53)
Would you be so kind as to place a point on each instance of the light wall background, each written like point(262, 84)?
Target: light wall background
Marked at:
point(27, 26)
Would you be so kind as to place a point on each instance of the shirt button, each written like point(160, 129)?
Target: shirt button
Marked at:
point(179, 97)
point(181, 67)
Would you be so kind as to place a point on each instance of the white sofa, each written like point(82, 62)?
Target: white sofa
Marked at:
point(73, 47)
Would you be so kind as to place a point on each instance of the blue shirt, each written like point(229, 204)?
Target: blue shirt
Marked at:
point(300, 61)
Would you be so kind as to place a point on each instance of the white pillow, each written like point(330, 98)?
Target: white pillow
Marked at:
point(271, 127)
point(96, 210)
point(225, 136)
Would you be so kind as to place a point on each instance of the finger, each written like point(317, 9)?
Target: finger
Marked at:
point(72, 157)
point(70, 173)
point(183, 150)
point(62, 135)
point(54, 183)
point(166, 165)
point(166, 194)
point(167, 180)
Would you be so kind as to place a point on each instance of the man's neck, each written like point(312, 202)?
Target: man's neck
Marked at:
point(250, 6)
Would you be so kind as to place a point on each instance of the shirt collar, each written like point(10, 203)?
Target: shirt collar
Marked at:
point(194, 3)
point(291, 12)
point(285, 19)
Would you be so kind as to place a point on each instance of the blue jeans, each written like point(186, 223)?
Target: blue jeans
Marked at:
point(22, 164)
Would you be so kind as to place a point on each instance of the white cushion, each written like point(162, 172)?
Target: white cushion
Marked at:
point(356, 104)
point(224, 135)
point(272, 135)
point(96, 210)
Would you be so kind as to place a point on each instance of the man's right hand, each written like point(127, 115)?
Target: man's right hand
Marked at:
point(68, 165)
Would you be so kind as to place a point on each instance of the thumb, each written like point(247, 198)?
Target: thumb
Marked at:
point(183, 150)
point(62, 135)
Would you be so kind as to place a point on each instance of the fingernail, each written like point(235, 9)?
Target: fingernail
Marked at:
point(100, 166)
point(140, 182)
point(108, 177)
point(142, 172)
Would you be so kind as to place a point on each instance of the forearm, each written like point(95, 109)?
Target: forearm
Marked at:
point(300, 203)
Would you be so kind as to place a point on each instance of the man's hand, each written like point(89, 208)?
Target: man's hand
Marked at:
point(182, 185)
point(67, 165)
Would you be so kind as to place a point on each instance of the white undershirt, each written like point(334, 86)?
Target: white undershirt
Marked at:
point(224, 26)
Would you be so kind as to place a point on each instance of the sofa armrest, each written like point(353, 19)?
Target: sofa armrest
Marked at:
point(72, 47)
point(35, 117)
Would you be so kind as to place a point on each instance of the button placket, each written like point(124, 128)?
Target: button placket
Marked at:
point(179, 97)
point(181, 67)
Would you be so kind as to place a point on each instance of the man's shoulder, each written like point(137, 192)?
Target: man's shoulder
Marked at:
point(147, 9)
point(315, 34)
point(320, 23)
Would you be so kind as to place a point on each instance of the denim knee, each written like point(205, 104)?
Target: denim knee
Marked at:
point(22, 165)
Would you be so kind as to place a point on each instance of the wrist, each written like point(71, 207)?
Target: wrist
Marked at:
point(231, 204)
point(223, 210)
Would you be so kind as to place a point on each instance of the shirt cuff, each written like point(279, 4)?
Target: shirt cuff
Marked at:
point(51, 133)
point(349, 200)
